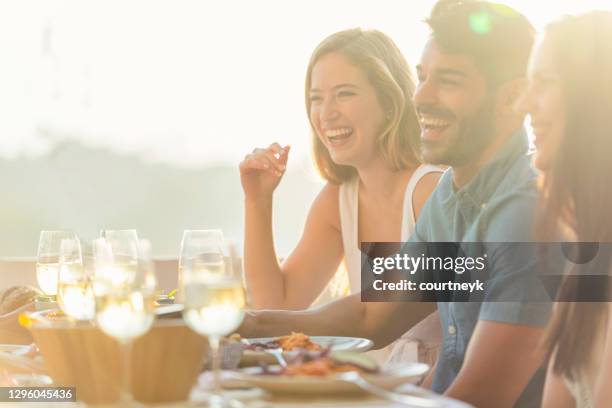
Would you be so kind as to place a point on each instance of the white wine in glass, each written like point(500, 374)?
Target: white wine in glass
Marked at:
point(122, 268)
point(125, 297)
point(125, 315)
point(77, 300)
point(74, 290)
point(212, 294)
point(46, 276)
point(48, 259)
point(214, 306)
point(192, 245)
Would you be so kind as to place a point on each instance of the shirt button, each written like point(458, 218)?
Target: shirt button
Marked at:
point(483, 206)
point(452, 329)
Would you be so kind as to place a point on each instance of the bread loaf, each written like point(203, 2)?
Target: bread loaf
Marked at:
point(15, 297)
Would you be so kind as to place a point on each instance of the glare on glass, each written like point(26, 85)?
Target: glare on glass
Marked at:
point(125, 294)
point(212, 294)
point(117, 256)
point(48, 259)
point(75, 289)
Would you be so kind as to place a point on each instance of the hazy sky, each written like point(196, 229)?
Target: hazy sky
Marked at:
point(189, 82)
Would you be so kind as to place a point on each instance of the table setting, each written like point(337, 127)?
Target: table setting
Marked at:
point(99, 325)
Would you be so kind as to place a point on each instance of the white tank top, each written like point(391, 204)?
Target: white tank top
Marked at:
point(348, 205)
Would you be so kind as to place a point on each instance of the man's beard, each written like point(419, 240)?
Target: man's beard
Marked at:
point(474, 135)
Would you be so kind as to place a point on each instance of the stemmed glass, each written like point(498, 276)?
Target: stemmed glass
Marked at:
point(75, 290)
point(125, 295)
point(212, 294)
point(48, 260)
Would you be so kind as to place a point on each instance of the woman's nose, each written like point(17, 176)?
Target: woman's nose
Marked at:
point(329, 110)
point(525, 103)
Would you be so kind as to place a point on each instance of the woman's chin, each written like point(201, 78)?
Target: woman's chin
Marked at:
point(342, 160)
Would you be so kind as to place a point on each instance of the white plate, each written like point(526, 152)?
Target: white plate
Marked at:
point(169, 310)
point(304, 385)
point(14, 349)
point(354, 344)
point(31, 380)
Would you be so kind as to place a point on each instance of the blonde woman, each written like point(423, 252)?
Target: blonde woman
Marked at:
point(358, 99)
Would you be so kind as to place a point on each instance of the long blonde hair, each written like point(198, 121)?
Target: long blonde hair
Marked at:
point(388, 72)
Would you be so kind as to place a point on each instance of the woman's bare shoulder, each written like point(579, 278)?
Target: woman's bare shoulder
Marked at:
point(423, 189)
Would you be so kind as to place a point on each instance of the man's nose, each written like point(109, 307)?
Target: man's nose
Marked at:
point(425, 94)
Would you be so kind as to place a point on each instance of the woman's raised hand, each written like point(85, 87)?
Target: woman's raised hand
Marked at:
point(262, 170)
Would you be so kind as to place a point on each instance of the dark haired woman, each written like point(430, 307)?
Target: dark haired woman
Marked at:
point(570, 103)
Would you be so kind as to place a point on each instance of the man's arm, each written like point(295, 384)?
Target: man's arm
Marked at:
point(381, 322)
point(500, 360)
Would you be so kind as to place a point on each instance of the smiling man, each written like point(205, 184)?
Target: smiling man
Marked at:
point(471, 73)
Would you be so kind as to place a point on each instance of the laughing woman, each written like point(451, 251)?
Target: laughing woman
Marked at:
point(570, 103)
point(358, 99)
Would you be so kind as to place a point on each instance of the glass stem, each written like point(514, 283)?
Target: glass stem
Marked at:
point(214, 342)
point(125, 395)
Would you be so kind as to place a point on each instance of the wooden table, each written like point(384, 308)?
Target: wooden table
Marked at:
point(256, 398)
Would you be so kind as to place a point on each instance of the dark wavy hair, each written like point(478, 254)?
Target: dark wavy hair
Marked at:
point(575, 191)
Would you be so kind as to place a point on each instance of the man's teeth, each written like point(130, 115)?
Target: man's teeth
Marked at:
point(338, 133)
point(432, 122)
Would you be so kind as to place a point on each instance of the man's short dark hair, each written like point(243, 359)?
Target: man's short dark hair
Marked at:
point(497, 37)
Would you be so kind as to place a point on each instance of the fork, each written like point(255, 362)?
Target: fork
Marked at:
point(354, 377)
point(278, 355)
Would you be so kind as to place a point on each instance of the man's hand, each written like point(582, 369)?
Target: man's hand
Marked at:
point(247, 328)
point(380, 322)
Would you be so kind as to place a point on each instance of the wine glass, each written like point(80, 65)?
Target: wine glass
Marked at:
point(233, 260)
point(213, 296)
point(48, 259)
point(187, 247)
point(122, 248)
point(145, 262)
point(125, 296)
point(74, 289)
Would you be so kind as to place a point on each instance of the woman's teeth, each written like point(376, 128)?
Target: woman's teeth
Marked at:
point(338, 134)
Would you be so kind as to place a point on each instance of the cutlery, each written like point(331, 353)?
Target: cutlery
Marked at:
point(278, 355)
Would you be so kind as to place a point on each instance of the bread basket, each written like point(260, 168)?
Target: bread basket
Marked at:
point(165, 362)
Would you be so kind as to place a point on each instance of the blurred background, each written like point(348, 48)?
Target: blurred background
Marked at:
point(135, 114)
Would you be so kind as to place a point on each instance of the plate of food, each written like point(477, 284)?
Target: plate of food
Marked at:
point(256, 349)
point(321, 374)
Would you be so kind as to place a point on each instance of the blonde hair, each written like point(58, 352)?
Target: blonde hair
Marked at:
point(388, 72)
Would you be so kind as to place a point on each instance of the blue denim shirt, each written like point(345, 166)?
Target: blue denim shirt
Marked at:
point(497, 205)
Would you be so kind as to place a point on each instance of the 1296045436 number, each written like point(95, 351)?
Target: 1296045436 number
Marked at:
point(37, 394)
